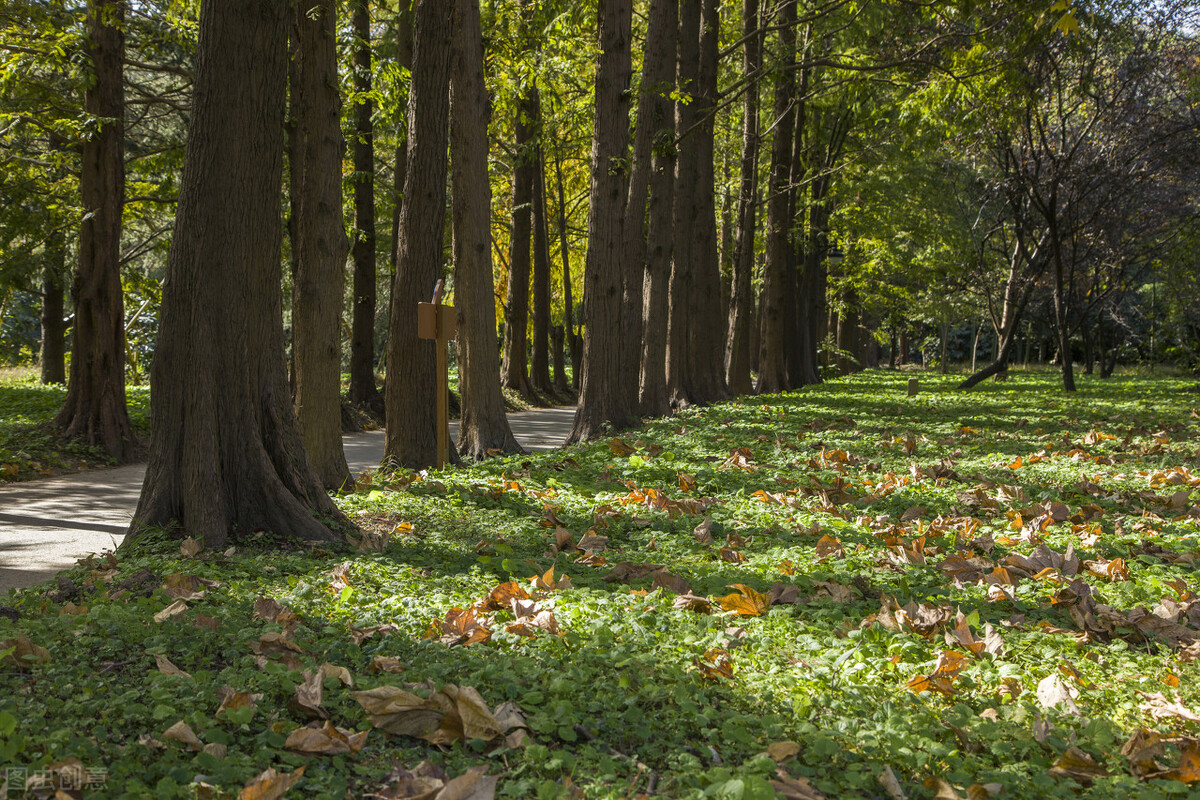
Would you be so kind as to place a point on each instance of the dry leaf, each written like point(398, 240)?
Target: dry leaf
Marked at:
point(460, 627)
point(190, 548)
point(400, 712)
point(183, 587)
point(790, 788)
point(326, 740)
point(309, 695)
point(183, 733)
point(890, 783)
point(1188, 770)
point(691, 602)
point(783, 752)
point(1078, 765)
point(167, 668)
point(1160, 708)
point(173, 610)
point(386, 664)
point(703, 532)
point(1051, 691)
point(829, 546)
point(270, 785)
point(746, 602)
point(24, 652)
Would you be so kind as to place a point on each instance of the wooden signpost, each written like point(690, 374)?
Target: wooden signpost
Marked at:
point(436, 321)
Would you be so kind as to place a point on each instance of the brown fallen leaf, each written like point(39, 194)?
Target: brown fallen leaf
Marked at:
point(732, 556)
point(309, 695)
point(400, 712)
point(783, 752)
point(270, 785)
point(500, 598)
point(691, 602)
point(24, 652)
point(459, 627)
point(619, 447)
point(1142, 749)
point(1160, 708)
point(1077, 765)
point(182, 732)
point(70, 609)
point(173, 610)
point(947, 668)
point(1051, 692)
point(745, 601)
point(326, 740)
point(672, 583)
point(167, 668)
point(888, 780)
point(1188, 770)
point(626, 571)
point(829, 546)
point(190, 547)
point(183, 587)
point(790, 788)
point(716, 664)
point(548, 583)
point(387, 664)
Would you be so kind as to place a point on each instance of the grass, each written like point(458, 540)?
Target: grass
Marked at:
point(29, 446)
point(847, 507)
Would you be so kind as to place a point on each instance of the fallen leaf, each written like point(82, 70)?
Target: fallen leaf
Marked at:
point(790, 788)
point(1188, 770)
point(190, 548)
point(270, 785)
point(24, 652)
point(829, 546)
point(326, 740)
point(399, 712)
point(386, 664)
point(783, 752)
point(745, 602)
point(182, 732)
point(1077, 765)
point(459, 627)
point(231, 700)
point(167, 668)
point(309, 695)
point(501, 597)
point(890, 783)
point(173, 610)
point(1051, 692)
point(1160, 708)
point(703, 532)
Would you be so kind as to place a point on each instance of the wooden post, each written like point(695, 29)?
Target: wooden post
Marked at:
point(912, 387)
point(436, 321)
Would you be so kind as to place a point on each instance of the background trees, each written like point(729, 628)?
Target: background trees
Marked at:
point(1001, 183)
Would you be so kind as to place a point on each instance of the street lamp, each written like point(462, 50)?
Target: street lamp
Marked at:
point(834, 255)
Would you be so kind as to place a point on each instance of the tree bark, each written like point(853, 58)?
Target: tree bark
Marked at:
point(686, 211)
point(705, 382)
point(772, 363)
point(514, 372)
point(483, 425)
point(741, 301)
point(562, 386)
point(404, 57)
point(363, 390)
point(226, 454)
point(574, 343)
point(94, 411)
point(411, 381)
point(54, 327)
point(600, 398)
point(661, 46)
point(320, 243)
point(539, 364)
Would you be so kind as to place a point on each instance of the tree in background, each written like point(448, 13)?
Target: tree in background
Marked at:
point(94, 411)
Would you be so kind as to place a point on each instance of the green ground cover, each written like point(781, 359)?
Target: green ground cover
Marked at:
point(29, 447)
point(842, 592)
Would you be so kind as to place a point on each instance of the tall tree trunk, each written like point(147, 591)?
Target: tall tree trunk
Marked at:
point(558, 352)
point(706, 321)
point(661, 46)
point(539, 364)
point(483, 424)
point(54, 327)
point(574, 342)
point(741, 302)
point(1016, 297)
point(687, 211)
point(772, 364)
point(600, 399)
point(404, 57)
point(363, 390)
point(226, 455)
point(94, 411)
point(410, 390)
point(1061, 326)
point(320, 243)
point(514, 372)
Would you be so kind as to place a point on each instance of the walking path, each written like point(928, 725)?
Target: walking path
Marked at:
point(46, 525)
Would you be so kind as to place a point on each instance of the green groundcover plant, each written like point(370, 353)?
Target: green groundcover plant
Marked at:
point(839, 592)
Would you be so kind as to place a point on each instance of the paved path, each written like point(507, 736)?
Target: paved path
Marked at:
point(46, 525)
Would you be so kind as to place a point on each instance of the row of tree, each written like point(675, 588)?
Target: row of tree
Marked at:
point(965, 159)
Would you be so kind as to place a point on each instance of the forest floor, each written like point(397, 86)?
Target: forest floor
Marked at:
point(840, 592)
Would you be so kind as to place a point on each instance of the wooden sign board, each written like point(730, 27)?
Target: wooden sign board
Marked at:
point(428, 317)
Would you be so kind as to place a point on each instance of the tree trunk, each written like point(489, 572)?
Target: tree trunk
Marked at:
point(363, 391)
point(686, 210)
point(54, 327)
point(558, 351)
point(706, 322)
point(574, 344)
point(1061, 328)
point(661, 46)
point(772, 365)
point(741, 302)
point(483, 425)
point(320, 243)
point(94, 411)
point(539, 365)
point(1016, 297)
point(404, 57)
point(225, 453)
point(514, 372)
point(411, 376)
point(600, 399)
